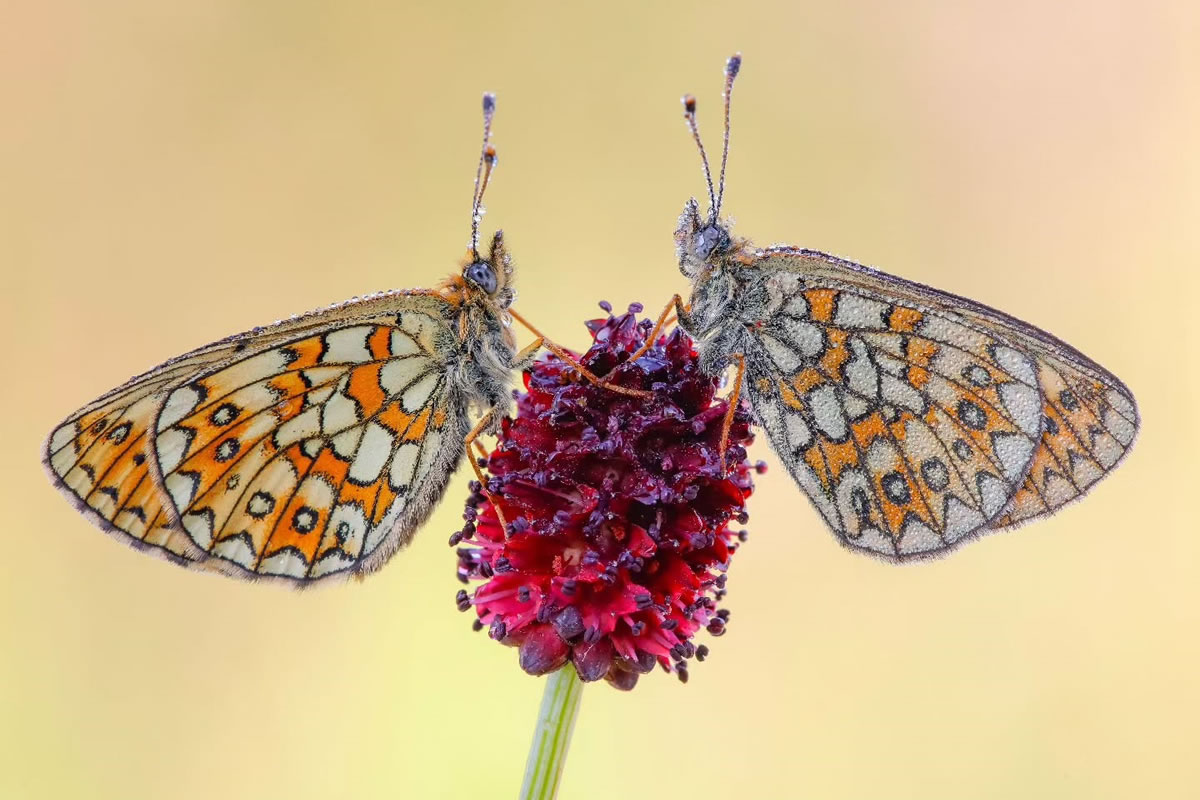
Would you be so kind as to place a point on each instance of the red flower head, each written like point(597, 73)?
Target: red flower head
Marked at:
point(618, 515)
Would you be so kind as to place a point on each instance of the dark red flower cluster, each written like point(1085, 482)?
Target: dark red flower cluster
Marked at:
point(618, 515)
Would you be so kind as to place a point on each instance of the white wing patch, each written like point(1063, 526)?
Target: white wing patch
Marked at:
point(374, 451)
point(347, 346)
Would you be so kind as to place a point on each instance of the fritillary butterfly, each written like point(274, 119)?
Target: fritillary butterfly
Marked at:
point(913, 419)
point(310, 448)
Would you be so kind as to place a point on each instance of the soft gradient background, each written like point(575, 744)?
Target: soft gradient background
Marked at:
point(174, 172)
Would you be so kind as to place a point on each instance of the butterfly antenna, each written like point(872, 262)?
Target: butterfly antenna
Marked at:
point(689, 113)
point(483, 173)
point(732, 67)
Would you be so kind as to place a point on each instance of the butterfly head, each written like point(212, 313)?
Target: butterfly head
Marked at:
point(489, 280)
point(700, 243)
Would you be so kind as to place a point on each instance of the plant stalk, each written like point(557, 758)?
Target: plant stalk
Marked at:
point(552, 737)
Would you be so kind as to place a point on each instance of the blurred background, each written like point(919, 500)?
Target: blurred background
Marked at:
point(171, 173)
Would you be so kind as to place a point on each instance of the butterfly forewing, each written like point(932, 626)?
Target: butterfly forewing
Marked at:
point(915, 419)
point(101, 460)
point(102, 456)
point(308, 449)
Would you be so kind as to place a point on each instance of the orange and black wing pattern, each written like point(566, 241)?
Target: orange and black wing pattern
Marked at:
point(310, 449)
point(915, 420)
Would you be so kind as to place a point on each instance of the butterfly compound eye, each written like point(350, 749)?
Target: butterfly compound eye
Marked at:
point(710, 239)
point(480, 273)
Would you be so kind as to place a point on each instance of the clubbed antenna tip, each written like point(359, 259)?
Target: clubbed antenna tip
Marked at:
point(733, 65)
point(489, 103)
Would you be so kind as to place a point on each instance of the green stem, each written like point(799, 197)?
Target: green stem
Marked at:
point(552, 737)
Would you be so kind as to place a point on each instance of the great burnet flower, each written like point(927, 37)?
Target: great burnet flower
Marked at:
point(618, 514)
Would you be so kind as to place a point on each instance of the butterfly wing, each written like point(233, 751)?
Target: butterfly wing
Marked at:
point(915, 419)
point(100, 458)
point(311, 448)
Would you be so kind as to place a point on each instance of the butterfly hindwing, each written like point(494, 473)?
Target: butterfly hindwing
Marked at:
point(909, 430)
point(973, 420)
point(310, 448)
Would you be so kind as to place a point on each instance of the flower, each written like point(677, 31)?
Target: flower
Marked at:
point(618, 535)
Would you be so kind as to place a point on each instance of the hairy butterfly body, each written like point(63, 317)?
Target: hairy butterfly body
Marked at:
point(913, 419)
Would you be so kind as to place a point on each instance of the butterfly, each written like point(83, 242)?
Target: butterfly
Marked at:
point(913, 419)
point(311, 448)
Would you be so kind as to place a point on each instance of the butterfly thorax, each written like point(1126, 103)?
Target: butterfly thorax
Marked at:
point(479, 297)
point(488, 349)
point(729, 300)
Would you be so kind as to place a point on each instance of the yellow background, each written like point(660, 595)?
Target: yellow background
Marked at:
point(174, 172)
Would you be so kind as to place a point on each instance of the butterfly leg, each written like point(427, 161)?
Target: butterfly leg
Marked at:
point(734, 398)
point(524, 359)
point(676, 303)
point(473, 438)
point(588, 375)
